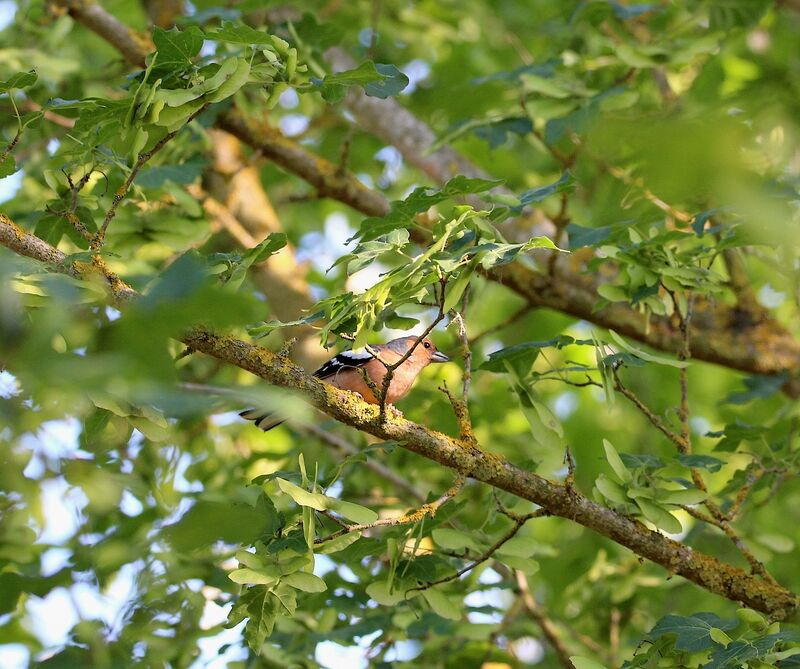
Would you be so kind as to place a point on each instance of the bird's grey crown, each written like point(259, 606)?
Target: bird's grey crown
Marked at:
point(400, 346)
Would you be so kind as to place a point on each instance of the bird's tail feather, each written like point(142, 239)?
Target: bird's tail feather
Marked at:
point(264, 420)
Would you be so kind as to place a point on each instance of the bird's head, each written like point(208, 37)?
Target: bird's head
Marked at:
point(424, 354)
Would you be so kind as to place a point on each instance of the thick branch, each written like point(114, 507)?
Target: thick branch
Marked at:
point(326, 177)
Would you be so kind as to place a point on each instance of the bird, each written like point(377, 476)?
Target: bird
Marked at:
point(344, 371)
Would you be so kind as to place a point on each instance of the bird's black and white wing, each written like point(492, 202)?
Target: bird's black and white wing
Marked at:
point(266, 420)
point(344, 360)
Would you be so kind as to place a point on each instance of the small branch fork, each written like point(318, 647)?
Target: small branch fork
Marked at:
point(69, 214)
point(519, 521)
point(415, 516)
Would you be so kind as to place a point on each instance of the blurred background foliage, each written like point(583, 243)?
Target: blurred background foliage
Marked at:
point(126, 481)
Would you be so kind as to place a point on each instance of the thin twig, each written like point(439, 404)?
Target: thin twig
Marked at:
point(122, 191)
point(504, 324)
point(613, 638)
point(7, 151)
point(518, 523)
point(391, 367)
point(415, 516)
point(645, 410)
point(461, 405)
point(547, 626)
point(684, 354)
point(378, 468)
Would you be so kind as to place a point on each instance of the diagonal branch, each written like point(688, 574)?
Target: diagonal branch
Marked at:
point(130, 44)
point(466, 458)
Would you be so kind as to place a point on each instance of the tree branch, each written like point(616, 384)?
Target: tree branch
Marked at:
point(415, 516)
point(465, 458)
point(133, 47)
point(549, 630)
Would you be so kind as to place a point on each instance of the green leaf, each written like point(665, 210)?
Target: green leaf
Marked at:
point(707, 462)
point(497, 133)
point(210, 521)
point(271, 245)
point(251, 577)
point(441, 604)
point(688, 496)
point(520, 546)
point(181, 174)
point(315, 500)
point(454, 540)
point(565, 183)
point(176, 48)
point(623, 473)
point(649, 357)
point(517, 562)
point(757, 388)
point(402, 212)
point(580, 236)
point(544, 426)
point(304, 581)
point(391, 82)
point(338, 544)
point(659, 516)
point(233, 82)
point(8, 166)
point(611, 490)
point(262, 607)
point(19, 81)
point(719, 636)
point(735, 13)
point(612, 293)
point(355, 512)
point(456, 288)
point(585, 663)
point(149, 429)
point(381, 593)
point(522, 356)
point(377, 80)
point(692, 633)
point(235, 32)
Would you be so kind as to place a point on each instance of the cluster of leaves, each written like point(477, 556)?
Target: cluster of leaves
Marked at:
point(637, 488)
point(657, 268)
point(439, 274)
point(706, 640)
point(277, 568)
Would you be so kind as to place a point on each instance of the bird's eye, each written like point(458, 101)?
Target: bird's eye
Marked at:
point(426, 344)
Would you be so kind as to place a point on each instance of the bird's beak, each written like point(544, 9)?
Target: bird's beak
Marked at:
point(439, 357)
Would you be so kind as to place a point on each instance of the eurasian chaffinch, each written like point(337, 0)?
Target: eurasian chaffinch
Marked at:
point(343, 371)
